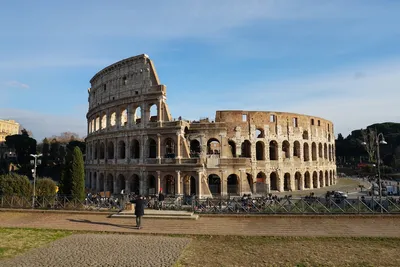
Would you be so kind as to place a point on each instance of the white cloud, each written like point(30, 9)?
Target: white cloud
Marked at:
point(16, 84)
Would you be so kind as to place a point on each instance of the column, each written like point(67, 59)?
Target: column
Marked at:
point(116, 150)
point(159, 148)
point(129, 115)
point(158, 182)
point(224, 191)
point(178, 147)
point(97, 182)
point(241, 177)
point(160, 112)
point(178, 182)
point(127, 187)
point(115, 184)
point(198, 187)
point(108, 119)
point(127, 146)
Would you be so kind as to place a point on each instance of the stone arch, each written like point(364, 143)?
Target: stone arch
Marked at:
point(153, 111)
point(120, 183)
point(124, 117)
point(314, 151)
point(296, 149)
point(261, 177)
point(325, 151)
point(121, 149)
point(101, 182)
point(169, 182)
point(327, 179)
point(97, 123)
point(321, 179)
point(134, 185)
point(320, 154)
point(233, 184)
point(246, 149)
point(330, 177)
point(307, 180)
point(214, 184)
point(213, 146)
point(151, 148)
point(287, 186)
point(96, 151)
point(260, 133)
point(110, 150)
point(329, 152)
point(306, 152)
point(102, 150)
point(274, 180)
point(298, 180)
point(305, 135)
point(189, 185)
point(110, 183)
point(152, 185)
point(273, 150)
point(169, 145)
point(286, 149)
point(260, 150)
point(195, 148)
point(250, 181)
point(135, 149)
point(113, 119)
point(103, 121)
point(315, 179)
point(232, 146)
point(329, 137)
point(94, 181)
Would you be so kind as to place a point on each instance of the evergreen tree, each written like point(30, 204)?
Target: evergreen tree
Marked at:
point(45, 151)
point(65, 183)
point(77, 175)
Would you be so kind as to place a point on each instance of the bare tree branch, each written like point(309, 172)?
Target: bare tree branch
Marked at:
point(369, 139)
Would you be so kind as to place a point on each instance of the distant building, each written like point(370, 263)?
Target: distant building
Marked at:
point(7, 127)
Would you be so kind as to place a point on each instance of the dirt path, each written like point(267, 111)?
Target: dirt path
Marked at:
point(386, 226)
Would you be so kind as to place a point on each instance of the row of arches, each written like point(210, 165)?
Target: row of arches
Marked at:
point(121, 117)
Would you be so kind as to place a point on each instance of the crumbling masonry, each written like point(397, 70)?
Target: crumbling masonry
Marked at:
point(133, 143)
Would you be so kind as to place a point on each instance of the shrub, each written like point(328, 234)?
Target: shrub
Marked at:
point(45, 187)
point(15, 184)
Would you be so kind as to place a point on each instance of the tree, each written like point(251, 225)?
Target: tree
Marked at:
point(15, 185)
point(23, 145)
point(369, 139)
point(55, 150)
point(77, 175)
point(45, 151)
point(45, 187)
point(65, 183)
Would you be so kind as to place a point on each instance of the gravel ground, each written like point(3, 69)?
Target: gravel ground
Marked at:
point(103, 250)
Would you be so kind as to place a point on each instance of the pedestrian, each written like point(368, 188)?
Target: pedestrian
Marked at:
point(161, 199)
point(139, 210)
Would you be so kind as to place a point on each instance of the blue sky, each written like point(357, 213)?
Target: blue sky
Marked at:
point(336, 59)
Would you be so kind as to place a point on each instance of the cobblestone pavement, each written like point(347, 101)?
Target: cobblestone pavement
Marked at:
point(103, 250)
point(373, 226)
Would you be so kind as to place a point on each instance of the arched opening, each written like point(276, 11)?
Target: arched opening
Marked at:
point(104, 121)
point(296, 149)
point(260, 150)
point(232, 146)
point(124, 117)
point(110, 150)
point(307, 180)
point(152, 190)
point(321, 179)
point(97, 123)
point(297, 180)
point(274, 181)
point(120, 183)
point(246, 149)
point(169, 148)
point(169, 185)
point(192, 185)
point(213, 146)
point(286, 182)
point(306, 152)
point(330, 178)
point(329, 137)
point(214, 184)
point(330, 152)
point(320, 155)
point(153, 113)
point(273, 150)
point(113, 119)
point(286, 149)
point(152, 148)
point(121, 149)
point(135, 149)
point(325, 151)
point(101, 182)
point(314, 151)
point(315, 179)
point(137, 115)
point(134, 184)
point(233, 184)
point(326, 179)
point(110, 184)
point(305, 135)
point(261, 183)
point(96, 151)
point(250, 181)
point(195, 148)
point(102, 150)
point(260, 133)
point(94, 181)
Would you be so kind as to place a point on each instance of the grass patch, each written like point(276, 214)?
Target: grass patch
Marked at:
point(14, 241)
point(290, 251)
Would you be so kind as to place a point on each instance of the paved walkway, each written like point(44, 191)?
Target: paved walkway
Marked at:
point(103, 250)
point(378, 226)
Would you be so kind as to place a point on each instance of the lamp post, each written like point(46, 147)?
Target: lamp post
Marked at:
point(35, 162)
point(378, 142)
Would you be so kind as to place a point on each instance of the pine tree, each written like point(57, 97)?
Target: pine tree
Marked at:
point(65, 183)
point(77, 175)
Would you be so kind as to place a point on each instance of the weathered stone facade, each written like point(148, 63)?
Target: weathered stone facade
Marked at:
point(134, 143)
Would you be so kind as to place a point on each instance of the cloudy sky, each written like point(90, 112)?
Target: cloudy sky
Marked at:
point(336, 59)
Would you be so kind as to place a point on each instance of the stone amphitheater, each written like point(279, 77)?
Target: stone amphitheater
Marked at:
point(135, 144)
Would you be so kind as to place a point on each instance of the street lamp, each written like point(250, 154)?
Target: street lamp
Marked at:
point(378, 142)
point(34, 162)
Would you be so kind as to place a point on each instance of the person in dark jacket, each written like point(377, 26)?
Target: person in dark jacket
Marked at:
point(161, 199)
point(139, 210)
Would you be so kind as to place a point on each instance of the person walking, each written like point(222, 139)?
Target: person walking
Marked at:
point(161, 199)
point(139, 210)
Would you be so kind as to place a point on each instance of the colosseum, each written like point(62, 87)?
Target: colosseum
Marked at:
point(135, 144)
